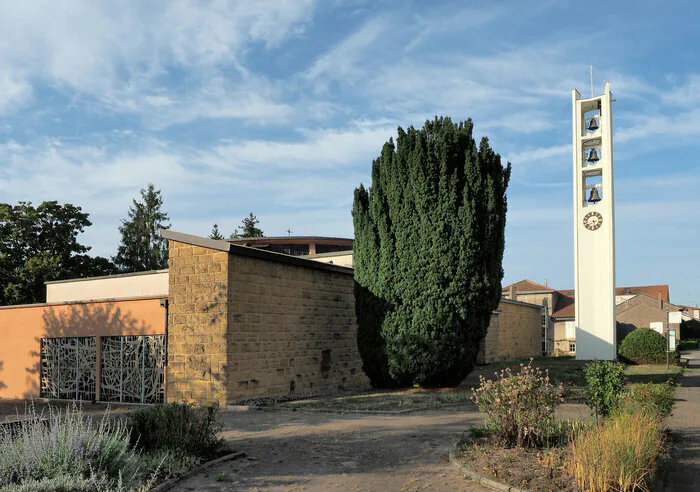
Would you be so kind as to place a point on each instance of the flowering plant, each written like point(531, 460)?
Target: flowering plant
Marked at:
point(519, 405)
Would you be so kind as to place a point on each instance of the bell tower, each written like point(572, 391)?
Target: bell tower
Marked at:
point(594, 227)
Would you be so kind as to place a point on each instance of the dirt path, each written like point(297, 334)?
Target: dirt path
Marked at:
point(321, 451)
point(324, 451)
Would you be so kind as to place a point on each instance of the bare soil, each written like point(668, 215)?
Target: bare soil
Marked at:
point(321, 451)
point(529, 469)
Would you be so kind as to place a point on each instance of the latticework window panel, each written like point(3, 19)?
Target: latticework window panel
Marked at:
point(68, 368)
point(133, 369)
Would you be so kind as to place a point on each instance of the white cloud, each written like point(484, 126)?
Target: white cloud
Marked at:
point(113, 50)
point(322, 149)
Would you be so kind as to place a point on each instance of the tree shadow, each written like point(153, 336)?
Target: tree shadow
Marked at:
point(2, 385)
point(81, 321)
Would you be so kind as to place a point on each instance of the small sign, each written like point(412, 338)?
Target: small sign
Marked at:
point(657, 326)
point(672, 340)
point(675, 317)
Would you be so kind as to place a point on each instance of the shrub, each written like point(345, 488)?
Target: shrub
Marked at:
point(519, 406)
point(605, 381)
point(177, 426)
point(620, 454)
point(67, 445)
point(644, 346)
point(656, 400)
point(429, 240)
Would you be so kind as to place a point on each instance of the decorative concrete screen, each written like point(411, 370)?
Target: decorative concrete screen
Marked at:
point(133, 369)
point(68, 368)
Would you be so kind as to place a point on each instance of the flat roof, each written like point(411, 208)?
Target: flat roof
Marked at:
point(116, 275)
point(292, 238)
point(332, 253)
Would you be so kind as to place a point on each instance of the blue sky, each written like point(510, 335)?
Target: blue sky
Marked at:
point(279, 107)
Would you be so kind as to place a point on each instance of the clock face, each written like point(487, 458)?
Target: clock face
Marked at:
point(592, 221)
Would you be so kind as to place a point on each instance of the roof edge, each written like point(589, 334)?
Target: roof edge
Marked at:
point(326, 255)
point(86, 301)
point(227, 247)
point(102, 277)
point(521, 303)
point(205, 242)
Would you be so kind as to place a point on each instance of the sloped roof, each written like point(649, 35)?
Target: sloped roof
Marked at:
point(565, 306)
point(528, 286)
point(649, 290)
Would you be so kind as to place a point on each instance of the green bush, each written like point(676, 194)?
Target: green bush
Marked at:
point(656, 400)
point(177, 426)
point(429, 240)
point(605, 381)
point(645, 346)
point(519, 406)
point(66, 446)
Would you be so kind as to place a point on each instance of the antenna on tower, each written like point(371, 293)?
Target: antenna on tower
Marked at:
point(591, 80)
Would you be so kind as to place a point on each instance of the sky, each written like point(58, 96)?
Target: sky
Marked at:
point(278, 107)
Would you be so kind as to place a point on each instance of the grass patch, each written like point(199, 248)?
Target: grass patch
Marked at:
point(652, 373)
point(386, 401)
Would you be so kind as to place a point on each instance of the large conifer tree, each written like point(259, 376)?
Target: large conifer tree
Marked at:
point(142, 247)
point(429, 240)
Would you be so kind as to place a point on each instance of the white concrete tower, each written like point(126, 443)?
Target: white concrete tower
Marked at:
point(594, 227)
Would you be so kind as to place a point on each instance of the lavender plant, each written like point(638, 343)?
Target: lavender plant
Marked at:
point(69, 445)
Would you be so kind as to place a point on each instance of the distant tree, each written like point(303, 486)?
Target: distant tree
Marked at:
point(249, 228)
point(215, 233)
point(429, 240)
point(39, 244)
point(142, 247)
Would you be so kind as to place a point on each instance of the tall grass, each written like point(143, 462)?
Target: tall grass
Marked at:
point(620, 454)
point(67, 445)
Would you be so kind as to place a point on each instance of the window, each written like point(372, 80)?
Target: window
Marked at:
point(572, 347)
point(571, 330)
point(543, 322)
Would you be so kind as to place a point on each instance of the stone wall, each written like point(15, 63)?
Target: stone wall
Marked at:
point(248, 323)
point(515, 332)
point(292, 329)
point(197, 323)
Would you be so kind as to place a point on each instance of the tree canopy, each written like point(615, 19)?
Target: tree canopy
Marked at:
point(248, 228)
point(215, 233)
point(39, 244)
point(429, 241)
point(142, 247)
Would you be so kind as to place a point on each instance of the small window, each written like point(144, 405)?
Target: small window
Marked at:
point(570, 329)
point(572, 347)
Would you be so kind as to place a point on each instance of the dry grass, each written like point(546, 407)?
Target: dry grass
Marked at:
point(620, 454)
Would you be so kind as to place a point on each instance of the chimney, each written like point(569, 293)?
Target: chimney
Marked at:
point(513, 293)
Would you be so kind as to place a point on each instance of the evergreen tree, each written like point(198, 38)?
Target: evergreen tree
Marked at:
point(142, 247)
point(429, 240)
point(215, 233)
point(248, 228)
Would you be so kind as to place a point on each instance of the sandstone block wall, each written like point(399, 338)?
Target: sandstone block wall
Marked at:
point(257, 324)
point(292, 329)
point(197, 324)
point(515, 332)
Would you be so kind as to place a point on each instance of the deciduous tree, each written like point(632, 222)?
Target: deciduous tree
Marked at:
point(39, 244)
